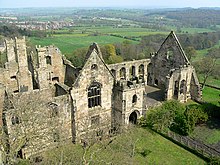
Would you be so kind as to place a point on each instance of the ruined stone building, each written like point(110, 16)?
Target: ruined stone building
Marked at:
point(45, 99)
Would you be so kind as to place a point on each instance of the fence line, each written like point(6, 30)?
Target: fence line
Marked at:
point(211, 86)
point(201, 148)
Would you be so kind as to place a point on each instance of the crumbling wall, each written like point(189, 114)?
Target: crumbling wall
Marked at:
point(130, 70)
point(37, 120)
point(50, 66)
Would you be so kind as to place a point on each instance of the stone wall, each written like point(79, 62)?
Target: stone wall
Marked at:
point(130, 70)
point(94, 73)
point(63, 102)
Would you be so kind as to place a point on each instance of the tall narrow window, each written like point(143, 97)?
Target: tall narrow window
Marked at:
point(134, 99)
point(183, 87)
point(48, 60)
point(94, 95)
point(123, 73)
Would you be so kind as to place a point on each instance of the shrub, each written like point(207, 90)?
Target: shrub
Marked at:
point(175, 116)
point(163, 117)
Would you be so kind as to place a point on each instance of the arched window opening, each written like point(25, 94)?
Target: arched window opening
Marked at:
point(15, 120)
point(156, 82)
point(134, 99)
point(176, 89)
point(183, 87)
point(132, 73)
point(141, 69)
point(94, 95)
point(170, 54)
point(123, 73)
point(94, 67)
point(141, 72)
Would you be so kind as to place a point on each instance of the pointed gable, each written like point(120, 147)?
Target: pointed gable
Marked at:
point(172, 52)
point(94, 47)
point(94, 68)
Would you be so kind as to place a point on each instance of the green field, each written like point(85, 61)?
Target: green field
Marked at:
point(69, 40)
point(67, 44)
point(211, 95)
point(126, 31)
point(196, 30)
point(209, 133)
point(137, 146)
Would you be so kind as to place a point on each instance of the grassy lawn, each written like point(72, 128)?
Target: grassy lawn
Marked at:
point(210, 81)
point(68, 43)
point(128, 32)
point(211, 95)
point(209, 133)
point(138, 146)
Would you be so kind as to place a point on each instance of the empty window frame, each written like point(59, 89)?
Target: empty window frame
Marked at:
point(94, 95)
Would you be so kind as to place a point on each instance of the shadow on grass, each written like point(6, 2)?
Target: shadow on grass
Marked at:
point(213, 123)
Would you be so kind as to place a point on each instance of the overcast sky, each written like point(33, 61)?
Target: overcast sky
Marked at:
point(109, 3)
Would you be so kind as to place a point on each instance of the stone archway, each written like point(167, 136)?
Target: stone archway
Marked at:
point(133, 118)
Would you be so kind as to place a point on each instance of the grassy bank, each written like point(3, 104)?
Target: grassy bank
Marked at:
point(137, 146)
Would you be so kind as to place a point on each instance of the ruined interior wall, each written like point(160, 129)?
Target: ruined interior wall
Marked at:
point(44, 119)
point(71, 74)
point(24, 76)
point(128, 65)
point(118, 106)
point(64, 115)
point(195, 89)
point(58, 69)
point(169, 56)
point(180, 84)
point(50, 68)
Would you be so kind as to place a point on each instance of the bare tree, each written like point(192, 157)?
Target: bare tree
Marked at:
point(208, 64)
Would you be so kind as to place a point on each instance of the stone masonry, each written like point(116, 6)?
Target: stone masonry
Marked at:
point(49, 100)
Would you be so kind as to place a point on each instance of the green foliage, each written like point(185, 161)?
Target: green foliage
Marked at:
point(190, 52)
point(23, 162)
point(13, 31)
point(162, 118)
point(193, 115)
point(78, 57)
point(64, 154)
point(212, 109)
point(176, 117)
point(109, 54)
point(3, 59)
point(214, 161)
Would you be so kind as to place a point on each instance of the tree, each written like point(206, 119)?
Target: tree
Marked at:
point(163, 117)
point(109, 54)
point(190, 52)
point(207, 65)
